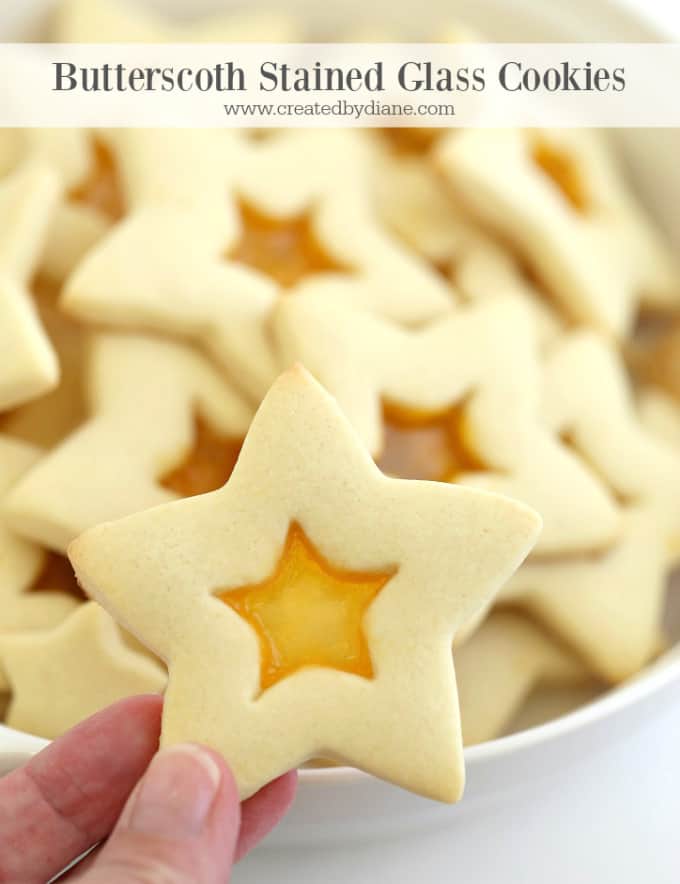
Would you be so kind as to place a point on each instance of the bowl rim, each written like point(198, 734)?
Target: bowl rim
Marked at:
point(654, 678)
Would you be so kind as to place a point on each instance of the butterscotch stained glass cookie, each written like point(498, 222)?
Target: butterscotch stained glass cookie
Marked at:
point(302, 610)
point(161, 423)
point(589, 401)
point(209, 262)
point(37, 589)
point(608, 607)
point(46, 420)
point(413, 202)
point(90, 199)
point(62, 675)
point(456, 400)
point(558, 197)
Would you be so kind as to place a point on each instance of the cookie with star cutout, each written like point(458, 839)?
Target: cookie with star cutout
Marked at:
point(207, 252)
point(60, 676)
point(161, 423)
point(37, 589)
point(589, 402)
point(454, 400)
point(607, 607)
point(46, 420)
point(426, 216)
point(558, 197)
point(90, 200)
point(302, 610)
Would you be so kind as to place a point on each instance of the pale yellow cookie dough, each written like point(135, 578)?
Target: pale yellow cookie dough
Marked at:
point(306, 495)
point(482, 361)
point(144, 395)
point(557, 195)
point(500, 665)
point(60, 676)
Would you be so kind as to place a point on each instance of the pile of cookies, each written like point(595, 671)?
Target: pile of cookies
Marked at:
point(492, 309)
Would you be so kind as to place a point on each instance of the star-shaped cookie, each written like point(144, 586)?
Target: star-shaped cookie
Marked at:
point(30, 593)
point(29, 365)
point(413, 203)
point(455, 400)
point(45, 421)
point(499, 667)
point(258, 222)
point(559, 198)
point(62, 675)
point(588, 400)
point(237, 589)
point(607, 607)
point(35, 592)
point(162, 423)
point(90, 197)
point(485, 269)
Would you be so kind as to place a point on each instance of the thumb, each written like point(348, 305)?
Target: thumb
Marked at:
point(179, 826)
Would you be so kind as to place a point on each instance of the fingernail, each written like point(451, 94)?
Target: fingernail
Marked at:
point(176, 793)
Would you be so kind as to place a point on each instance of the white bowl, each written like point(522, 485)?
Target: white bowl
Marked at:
point(591, 797)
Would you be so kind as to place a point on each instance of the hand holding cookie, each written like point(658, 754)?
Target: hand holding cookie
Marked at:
point(173, 813)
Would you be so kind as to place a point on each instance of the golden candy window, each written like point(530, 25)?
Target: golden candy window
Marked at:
point(308, 613)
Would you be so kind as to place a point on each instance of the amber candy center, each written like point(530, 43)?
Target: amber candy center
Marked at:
point(101, 188)
point(57, 575)
point(661, 364)
point(207, 466)
point(427, 445)
point(308, 613)
point(287, 249)
point(410, 140)
point(563, 171)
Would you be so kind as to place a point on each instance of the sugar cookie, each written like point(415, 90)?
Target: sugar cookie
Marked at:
point(46, 420)
point(262, 687)
point(32, 592)
point(499, 666)
point(90, 199)
point(607, 607)
point(150, 402)
point(558, 197)
point(412, 202)
point(547, 703)
point(210, 267)
point(62, 675)
point(589, 402)
point(29, 365)
point(459, 401)
point(486, 270)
